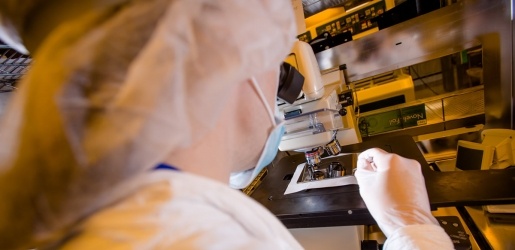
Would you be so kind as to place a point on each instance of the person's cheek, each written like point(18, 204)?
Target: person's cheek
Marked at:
point(250, 128)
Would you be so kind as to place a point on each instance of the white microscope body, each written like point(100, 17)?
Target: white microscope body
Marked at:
point(315, 118)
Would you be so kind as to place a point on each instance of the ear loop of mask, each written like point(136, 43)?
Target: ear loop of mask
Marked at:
point(263, 99)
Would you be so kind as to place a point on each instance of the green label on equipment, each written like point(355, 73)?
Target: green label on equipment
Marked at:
point(380, 123)
point(393, 120)
point(414, 116)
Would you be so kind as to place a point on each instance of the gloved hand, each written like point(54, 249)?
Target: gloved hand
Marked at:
point(393, 189)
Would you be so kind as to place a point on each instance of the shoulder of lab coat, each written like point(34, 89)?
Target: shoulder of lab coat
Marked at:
point(177, 210)
point(425, 236)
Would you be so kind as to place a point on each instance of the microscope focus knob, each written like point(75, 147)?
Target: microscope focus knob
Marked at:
point(342, 112)
point(350, 101)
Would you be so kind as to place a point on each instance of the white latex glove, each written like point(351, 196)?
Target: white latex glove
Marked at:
point(393, 189)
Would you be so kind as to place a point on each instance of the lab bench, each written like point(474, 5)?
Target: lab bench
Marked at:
point(343, 206)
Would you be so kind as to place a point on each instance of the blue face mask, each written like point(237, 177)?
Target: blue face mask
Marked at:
point(243, 179)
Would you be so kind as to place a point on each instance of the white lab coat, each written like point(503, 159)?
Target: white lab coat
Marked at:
point(177, 210)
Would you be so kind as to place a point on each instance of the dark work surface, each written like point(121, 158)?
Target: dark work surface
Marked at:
point(339, 206)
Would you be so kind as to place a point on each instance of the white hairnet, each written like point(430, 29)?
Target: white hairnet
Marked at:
point(114, 91)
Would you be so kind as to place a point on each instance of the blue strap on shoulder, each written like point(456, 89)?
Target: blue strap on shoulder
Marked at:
point(166, 167)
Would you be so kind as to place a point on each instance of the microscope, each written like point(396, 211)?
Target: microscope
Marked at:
point(320, 117)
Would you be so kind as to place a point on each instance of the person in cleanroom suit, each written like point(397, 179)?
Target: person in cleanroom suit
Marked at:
point(137, 115)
